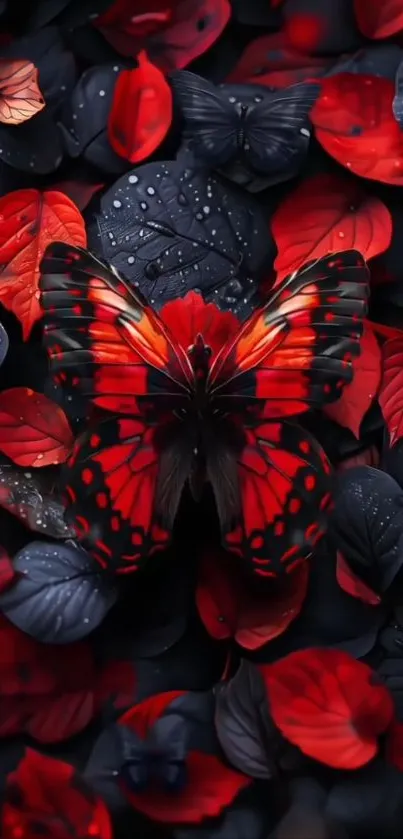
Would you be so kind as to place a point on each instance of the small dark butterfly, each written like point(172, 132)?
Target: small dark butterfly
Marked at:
point(159, 759)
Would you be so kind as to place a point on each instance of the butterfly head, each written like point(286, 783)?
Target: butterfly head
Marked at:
point(200, 357)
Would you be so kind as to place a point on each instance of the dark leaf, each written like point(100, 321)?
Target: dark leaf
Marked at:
point(237, 823)
point(166, 242)
point(59, 597)
point(22, 146)
point(368, 802)
point(29, 498)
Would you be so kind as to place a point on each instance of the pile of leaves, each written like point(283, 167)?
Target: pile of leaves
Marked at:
point(187, 678)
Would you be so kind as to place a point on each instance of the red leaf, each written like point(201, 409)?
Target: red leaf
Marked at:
point(270, 60)
point(46, 797)
point(7, 573)
point(30, 220)
point(305, 32)
point(78, 191)
point(391, 391)
point(211, 787)
point(379, 18)
point(33, 430)
point(394, 745)
point(352, 584)
point(174, 32)
point(141, 717)
point(333, 213)
point(357, 397)
point(354, 123)
point(116, 683)
point(229, 610)
point(20, 97)
point(141, 112)
point(328, 704)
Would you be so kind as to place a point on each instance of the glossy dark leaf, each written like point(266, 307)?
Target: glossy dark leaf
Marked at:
point(237, 823)
point(367, 524)
point(368, 802)
point(29, 498)
point(243, 725)
point(22, 146)
point(165, 242)
point(59, 597)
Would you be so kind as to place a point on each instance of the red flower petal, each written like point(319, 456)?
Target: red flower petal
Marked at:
point(394, 745)
point(354, 123)
point(352, 584)
point(358, 396)
point(30, 220)
point(140, 718)
point(174, 32)
point(189, 316)
point(43, 799)
point(210, 788)
point(34, 431)
point(229, 610)
point(141, 111)
point(379, 18)
point(333, 213)
point(325, 702)
point(391, 391)
point(20, 97)
point(270, 60)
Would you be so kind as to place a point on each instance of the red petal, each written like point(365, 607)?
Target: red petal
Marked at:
point(142, 717)
point(175, 32)
point(229, 610)
point(354, 123)
point(211, 787)
point(358, 396)
point(141, 112)
point(45, 800)
point(379, 18)
point(391, 392)
point(352, 584)
point(30, 220)
point(333, 213)
point(33, 430)
point(190, 316)
point(394, 745)
point(326, 703)
point(20, 97)
point(270, 60)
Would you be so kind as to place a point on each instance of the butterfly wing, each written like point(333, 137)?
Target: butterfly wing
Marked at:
point(295, 353)
point(284, 488)
point(124, 479)
point(211, 121)
point(277, 130)
point(105, 344)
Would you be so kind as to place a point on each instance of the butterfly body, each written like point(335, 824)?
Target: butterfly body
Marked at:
point(192, 396)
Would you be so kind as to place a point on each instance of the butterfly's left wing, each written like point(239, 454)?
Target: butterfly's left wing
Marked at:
point(278, 130)
point(295, 353)
point(283, 479)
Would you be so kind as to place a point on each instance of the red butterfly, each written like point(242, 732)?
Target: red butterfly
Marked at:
point(177, 413)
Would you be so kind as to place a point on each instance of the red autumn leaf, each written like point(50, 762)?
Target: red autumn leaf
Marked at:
point(78, 191)
point(270, 60)
point(357, 397)
point(394, 745)
point(329, 705)
point(34, 431)
point(354, 123)
point(47, 797)
point(352, 584)
point(20, 97)
point(141, 112)
point(30, 220)
point(190, 315)
point(210, 786)
point(333, 213)
point(229, 610)
point(391, 390)
point(379, 18)
point(174, 32)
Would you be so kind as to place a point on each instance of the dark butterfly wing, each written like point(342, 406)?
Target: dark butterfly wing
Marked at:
point(296, 352)
point(211, 122)
point(284, 488)
point(104, 342)
point(398, 98)
point(169, 743)
point(277, 131)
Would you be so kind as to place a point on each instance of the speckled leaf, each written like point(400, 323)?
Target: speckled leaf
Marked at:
point(27, 497)
point(170, 229)
point(60, 597)
point(22, 146)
